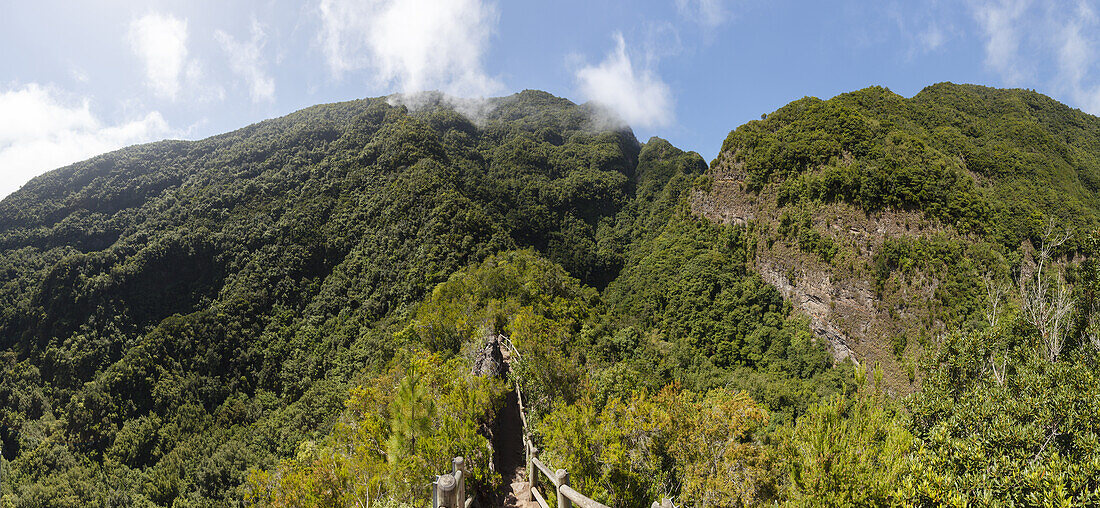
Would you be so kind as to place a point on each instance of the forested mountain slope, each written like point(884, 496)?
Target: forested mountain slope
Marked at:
point(287, 314)
point(177, 312)
point(888, 219)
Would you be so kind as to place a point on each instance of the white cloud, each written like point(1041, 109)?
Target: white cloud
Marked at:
point(200, 88)
point(925, 27)
point(1048, 45)
point(932, 38)
point(636, 95)
point(79, 75)
point(414, 45)
point(246, 60)
point(1076, 56)
point(1002, 23)
point(41, 132)
point(709, 13)
point(661, 40)
point(161, 43)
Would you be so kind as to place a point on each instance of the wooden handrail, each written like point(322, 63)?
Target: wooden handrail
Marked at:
point(459, 470)
point(546, 471)
point(560, 477)
point(582, 500)
point(523, 419)
point(522, 415)
point(538, 498)
point(449, 489)
point(511, 345)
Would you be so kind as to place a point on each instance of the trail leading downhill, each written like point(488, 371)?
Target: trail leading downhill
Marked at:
point(508, 450)
point(508, 454)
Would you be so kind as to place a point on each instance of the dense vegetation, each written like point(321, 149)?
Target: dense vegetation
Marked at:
point(627, 437)
point(285, 315)
point(944, 195)
point(176, 313)
point(1008, 179)
point(987, 161)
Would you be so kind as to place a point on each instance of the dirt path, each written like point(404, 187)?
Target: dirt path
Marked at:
point(508, 453)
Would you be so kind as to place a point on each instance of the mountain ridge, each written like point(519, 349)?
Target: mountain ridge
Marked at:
point(196, 320)
point(163, 284)
point(886, 169)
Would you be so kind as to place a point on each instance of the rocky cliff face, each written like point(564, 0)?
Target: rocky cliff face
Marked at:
point(822, 256)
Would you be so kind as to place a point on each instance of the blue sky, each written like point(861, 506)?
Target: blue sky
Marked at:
point(82, 78)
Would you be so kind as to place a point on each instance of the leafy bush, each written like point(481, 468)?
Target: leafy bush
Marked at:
point(983, 160)
point(701, 448)
point(399, 430)
point(1031, 439)
point(847, 452)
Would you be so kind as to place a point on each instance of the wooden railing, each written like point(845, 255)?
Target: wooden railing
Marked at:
point(449, 489)
point(559, 478)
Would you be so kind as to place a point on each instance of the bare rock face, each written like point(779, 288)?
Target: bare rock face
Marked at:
point(818, 300)
point(847, 305)
point(489, 361)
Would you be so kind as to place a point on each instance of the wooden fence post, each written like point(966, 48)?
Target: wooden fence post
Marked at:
point(460, 490)
point(445, 488)
point(563, 479)
point(532, 475)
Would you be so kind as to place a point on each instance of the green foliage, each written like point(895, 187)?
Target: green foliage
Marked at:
point(245, 318)
point(847, 452)
point(1032, 439)
point(986, 161)
point(958, 264)
point(181, 310)
point(488, 296)
point(588, 405)
point(700, 448)
point(704, 320)
point(398, 431)
point(529, 299)
point(799, 227)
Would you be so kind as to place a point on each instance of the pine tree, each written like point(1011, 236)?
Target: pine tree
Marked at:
point(411, 415)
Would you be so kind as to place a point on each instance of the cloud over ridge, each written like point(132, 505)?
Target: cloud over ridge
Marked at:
point(42, 131)
point(160, 41)
point(637, 95)
point(1050, 45)
point(414, 45)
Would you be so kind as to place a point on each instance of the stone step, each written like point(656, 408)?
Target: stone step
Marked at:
point(522, 491)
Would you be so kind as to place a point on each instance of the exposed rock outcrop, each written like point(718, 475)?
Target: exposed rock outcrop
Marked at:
point(489, 361)
point(812, 299)
point(859, 317)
